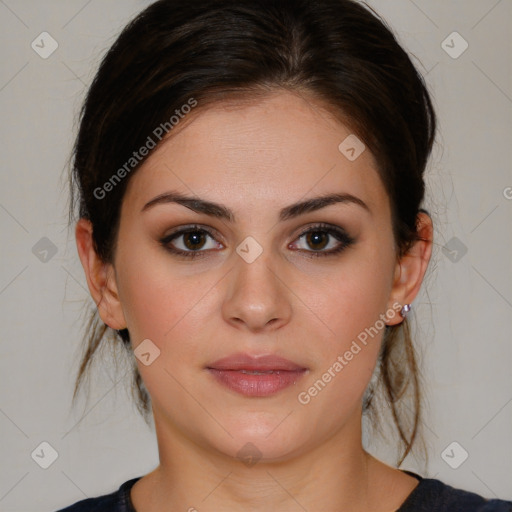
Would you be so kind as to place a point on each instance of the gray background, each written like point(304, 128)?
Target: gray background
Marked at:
point(462, 316)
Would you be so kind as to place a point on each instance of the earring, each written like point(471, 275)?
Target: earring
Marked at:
point(405, 310)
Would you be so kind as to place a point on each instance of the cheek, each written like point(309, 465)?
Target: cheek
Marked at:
point(350, 299)
point(350, 303)
point(175, 313)
point(171, 312)
point(345, 361)
point(157, 297)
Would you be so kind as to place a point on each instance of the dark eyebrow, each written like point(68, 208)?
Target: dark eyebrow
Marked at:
point(221, 212)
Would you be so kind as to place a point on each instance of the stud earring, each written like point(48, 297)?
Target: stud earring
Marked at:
point(406, 308)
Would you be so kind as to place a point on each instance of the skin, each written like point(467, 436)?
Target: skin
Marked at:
point(256, 158)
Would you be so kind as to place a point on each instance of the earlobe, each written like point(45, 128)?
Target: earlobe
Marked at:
point(100, 277)
point(410, 269)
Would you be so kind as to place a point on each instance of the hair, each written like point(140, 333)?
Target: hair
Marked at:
point(338, 53)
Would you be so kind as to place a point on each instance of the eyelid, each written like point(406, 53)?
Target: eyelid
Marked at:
point(320, 226)
point(183, 230)
point(192, 227)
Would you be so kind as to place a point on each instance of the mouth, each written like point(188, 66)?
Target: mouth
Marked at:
point(255, 376)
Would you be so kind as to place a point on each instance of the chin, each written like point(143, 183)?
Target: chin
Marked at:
point(262, 441)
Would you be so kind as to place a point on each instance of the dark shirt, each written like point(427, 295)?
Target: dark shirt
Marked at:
point(430, 495)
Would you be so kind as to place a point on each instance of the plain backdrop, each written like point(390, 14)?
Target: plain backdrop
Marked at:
point(462, 318)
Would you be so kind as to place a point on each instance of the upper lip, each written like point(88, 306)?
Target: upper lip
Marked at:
point(241, 361)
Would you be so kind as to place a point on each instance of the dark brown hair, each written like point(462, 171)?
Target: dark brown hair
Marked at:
point(338, 52)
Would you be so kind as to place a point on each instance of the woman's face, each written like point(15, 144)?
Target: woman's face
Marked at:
point(256, 286)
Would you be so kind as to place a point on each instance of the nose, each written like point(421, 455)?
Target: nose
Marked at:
point(257, 297)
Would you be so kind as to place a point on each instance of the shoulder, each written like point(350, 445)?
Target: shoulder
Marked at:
point(431, 494)
point(117, 501)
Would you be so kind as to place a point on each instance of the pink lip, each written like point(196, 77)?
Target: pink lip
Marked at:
point(241, 361)
point(229, 371)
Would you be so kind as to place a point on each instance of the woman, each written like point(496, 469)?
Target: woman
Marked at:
point(249, 176)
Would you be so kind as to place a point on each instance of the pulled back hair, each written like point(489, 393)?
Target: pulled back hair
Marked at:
point(337, 52)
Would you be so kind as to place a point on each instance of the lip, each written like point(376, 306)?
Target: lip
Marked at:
point(231, 372)
point(241, 361)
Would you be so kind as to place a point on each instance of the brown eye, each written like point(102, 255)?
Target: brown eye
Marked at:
point(189, 242)
point(194, 240)
point(317, 240)
point(323, 236)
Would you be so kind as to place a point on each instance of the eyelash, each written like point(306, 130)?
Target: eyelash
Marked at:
point(339, 234)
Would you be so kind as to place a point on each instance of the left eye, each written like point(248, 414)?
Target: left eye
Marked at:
point(325, 240)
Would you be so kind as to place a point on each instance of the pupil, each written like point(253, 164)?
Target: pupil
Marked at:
point(315, 237)
point(197, 238)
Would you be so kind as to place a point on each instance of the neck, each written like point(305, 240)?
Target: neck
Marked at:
point(335, 475)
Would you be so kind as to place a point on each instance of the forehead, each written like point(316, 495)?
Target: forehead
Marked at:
point(264, 152)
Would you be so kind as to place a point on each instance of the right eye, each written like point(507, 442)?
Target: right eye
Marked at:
point(192, 242)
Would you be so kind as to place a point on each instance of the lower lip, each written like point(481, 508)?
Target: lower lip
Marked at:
point(256, 385)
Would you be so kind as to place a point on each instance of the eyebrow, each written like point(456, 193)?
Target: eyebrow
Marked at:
point(222, 212)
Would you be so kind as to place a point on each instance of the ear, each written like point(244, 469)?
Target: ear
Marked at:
point(100, 277)
point(411, 268)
